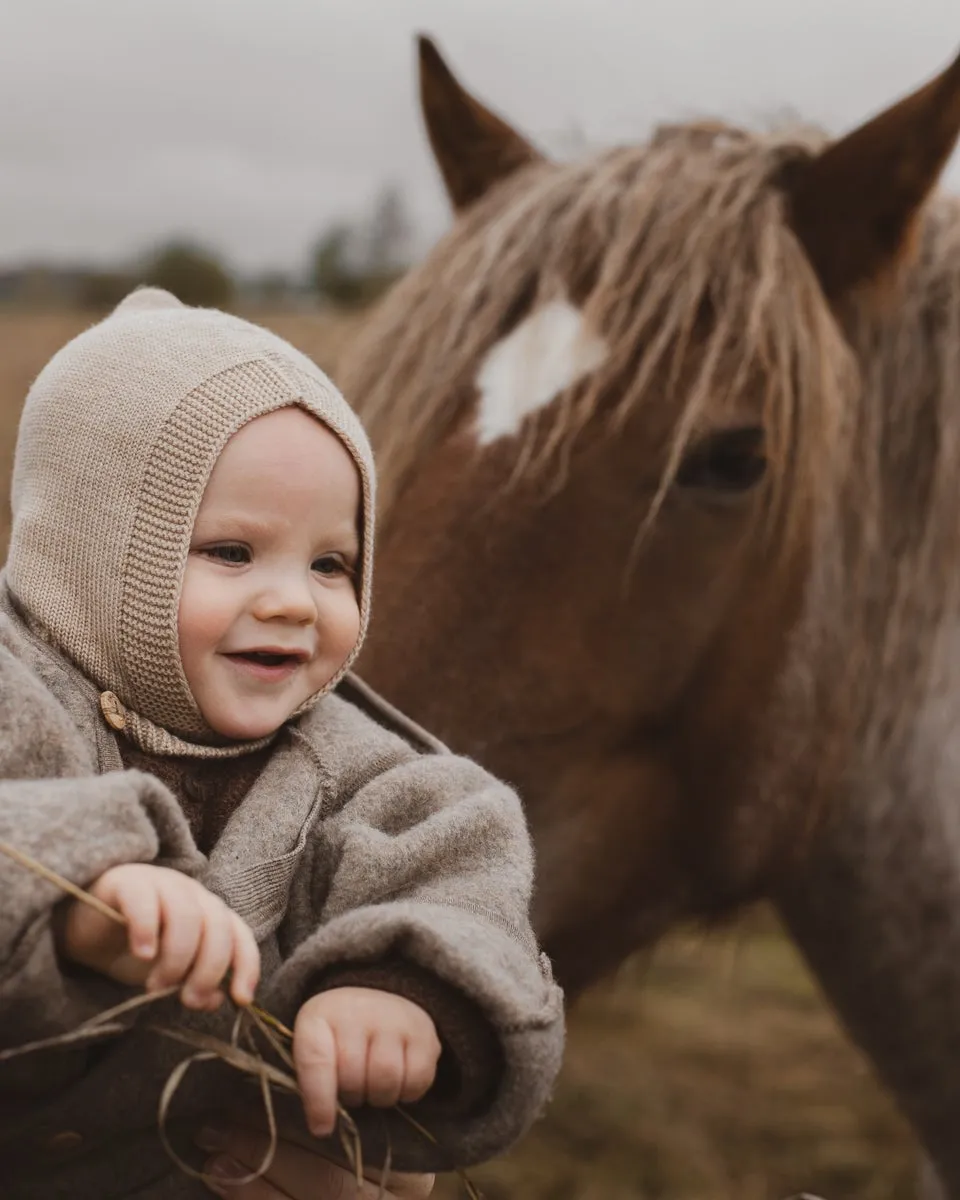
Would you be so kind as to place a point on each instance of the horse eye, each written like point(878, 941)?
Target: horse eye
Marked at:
point(731, 461)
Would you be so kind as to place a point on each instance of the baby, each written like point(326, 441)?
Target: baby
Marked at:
point(187, 586)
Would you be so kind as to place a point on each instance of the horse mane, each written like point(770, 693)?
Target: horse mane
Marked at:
point(676, 248)
point(680, 254)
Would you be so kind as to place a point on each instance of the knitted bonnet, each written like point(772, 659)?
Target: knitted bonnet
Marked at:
point(118, 438)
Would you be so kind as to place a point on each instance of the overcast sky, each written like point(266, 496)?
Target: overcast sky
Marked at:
point(250, 124)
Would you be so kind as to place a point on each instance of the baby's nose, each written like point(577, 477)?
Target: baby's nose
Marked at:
point(288, 598)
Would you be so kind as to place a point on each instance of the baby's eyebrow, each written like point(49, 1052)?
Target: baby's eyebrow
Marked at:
point(231, 525)
point(225, 526)
point(348, 535)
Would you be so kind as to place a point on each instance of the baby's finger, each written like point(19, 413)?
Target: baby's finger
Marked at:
point(315, 1057)
point(385, 1066)
point(213, 957)
point(141, 907)
point(181, 928)
point(246, 962)
point(420, 1069)
point(352, 1051)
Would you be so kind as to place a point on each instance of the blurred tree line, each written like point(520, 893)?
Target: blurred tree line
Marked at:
point(351, 264)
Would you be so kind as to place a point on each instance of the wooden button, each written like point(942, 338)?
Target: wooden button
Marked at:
point(194, 788)
point(66, 1140)
point(112, 711)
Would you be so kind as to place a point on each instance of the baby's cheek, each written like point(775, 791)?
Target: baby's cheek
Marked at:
point(345, 625)
point(203, 617)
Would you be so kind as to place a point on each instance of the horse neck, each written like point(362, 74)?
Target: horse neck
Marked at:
point(874, 907)
point(896, 541)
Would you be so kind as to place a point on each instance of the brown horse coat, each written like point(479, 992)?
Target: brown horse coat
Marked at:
point(673, 432)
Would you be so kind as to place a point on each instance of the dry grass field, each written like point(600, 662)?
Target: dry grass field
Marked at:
point(709, 1071)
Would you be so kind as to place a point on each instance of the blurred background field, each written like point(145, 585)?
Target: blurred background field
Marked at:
point(710, 1070)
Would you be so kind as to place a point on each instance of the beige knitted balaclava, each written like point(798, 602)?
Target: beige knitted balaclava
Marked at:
point(118, 437)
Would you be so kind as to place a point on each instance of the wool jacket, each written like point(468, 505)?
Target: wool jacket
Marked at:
point(363, 853)
point(357, 849)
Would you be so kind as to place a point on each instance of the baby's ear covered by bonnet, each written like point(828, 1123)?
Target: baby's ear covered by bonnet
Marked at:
point(144, 299)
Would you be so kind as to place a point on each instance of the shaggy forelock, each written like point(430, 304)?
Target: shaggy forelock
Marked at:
point(681, 255)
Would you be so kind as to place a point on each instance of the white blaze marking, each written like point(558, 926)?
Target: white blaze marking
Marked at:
point(542, 357)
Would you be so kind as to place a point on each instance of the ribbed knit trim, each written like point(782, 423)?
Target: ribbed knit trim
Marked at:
point(153, 739)
point(165, 718)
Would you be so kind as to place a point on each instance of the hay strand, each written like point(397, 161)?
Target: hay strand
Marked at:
point(65, 885)
point(208, 1048)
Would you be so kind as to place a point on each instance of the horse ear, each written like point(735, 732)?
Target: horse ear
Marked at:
point(473, 147)
point(854, 206)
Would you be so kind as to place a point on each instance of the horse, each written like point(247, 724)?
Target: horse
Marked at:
point(669, 449)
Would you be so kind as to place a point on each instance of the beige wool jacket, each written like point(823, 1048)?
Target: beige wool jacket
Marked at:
point(364, 853)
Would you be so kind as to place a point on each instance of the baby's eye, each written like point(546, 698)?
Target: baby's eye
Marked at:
point(331, 565)
point(228, 552)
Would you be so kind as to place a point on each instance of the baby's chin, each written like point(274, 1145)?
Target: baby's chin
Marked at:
point(247, 726)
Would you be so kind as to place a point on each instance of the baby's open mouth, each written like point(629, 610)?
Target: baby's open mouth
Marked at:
point(266, 658)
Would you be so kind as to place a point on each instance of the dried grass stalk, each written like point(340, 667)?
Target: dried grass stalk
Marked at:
point(250, 1020)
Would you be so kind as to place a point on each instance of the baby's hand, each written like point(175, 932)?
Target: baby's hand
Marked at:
point(365, 1046)
point(177, 932)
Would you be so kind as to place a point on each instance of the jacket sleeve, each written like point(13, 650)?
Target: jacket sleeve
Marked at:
point(424, 880)
point(78, 824)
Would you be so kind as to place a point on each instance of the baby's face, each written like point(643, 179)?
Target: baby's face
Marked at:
point(268, 608)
